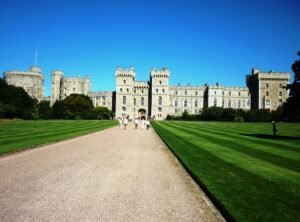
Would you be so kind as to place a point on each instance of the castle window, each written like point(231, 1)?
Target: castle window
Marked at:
point(142, 101)
point(156, 90)
point(134, 101)
point(215, 92)
point(176, 92)
point(73, 89)
point(239, 104)
point(121, 89)
point(159, 109)
point(124, 109)
point(280, 102)
point(176, 102)
point(127, 90)
point(159, 82)
point(267, 85)
point(215, 101)
point(176, 110)
point(248, 103)
point(196, 103)
point(239, 93)
point(185, 103)
point(280, 85)
point(124, 100)
point(280, 93)
point(229, 103)
point(195, 111)
point(124, 81)
point(196, 93)
point(142, 91)
point(229, 93)
point(134, 91)
point(267, 104)
point(159, 101)
point(267, 93)
point(185, 92)
point(222, 93)
point(163, 90)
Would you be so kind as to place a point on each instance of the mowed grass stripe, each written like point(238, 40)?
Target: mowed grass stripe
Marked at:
point(266, 151)
point(221, 150)
point(24, 130)
point(63, 129)
point(52, 131)
point(246, 195)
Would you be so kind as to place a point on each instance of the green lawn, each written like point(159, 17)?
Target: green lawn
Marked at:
point(19, 134)
point(248, 173)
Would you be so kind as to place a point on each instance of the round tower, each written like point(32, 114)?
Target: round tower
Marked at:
point(56, 76)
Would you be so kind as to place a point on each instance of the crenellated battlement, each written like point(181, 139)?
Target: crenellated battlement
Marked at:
point(164, 72)
point(127, 72)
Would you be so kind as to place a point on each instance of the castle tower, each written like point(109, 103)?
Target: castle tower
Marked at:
point(57, 76)
point(268, 89)
point(87, 85)
point(160, 104)
point(125, 79)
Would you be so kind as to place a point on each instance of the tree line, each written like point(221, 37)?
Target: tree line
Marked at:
point(16, 103)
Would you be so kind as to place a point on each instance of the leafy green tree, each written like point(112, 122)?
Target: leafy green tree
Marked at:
point(76, 105)
point(103, 113)
point(58, 110)
point(44, 110)
point(16, 103)
point(292, 107)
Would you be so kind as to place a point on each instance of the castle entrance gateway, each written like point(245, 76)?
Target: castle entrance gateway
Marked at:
point(142, 114)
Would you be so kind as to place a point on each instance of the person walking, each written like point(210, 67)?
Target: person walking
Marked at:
point(148, 124)
point(274, 128)
point(125, 123)
point(136, 121)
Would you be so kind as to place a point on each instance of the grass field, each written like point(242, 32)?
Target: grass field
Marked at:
point(246, 171)
point(18, 134)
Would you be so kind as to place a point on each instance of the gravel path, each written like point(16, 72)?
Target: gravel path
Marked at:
point(112, 175)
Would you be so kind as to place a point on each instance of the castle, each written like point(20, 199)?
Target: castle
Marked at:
point(156, 98)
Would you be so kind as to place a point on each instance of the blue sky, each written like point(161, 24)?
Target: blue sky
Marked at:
point(199, 41)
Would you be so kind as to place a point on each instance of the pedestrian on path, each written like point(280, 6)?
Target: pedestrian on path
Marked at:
point(148, 124)
point(136, 121)
point(125, 123)
point(120, 122)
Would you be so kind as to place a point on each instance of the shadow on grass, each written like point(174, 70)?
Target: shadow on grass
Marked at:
point(269, 136)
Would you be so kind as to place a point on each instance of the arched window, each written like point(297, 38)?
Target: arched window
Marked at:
point(185, 103)
point(280, 102)
point(280, 85)
point(229, 93)
point(267, 93)
point(134, 101)
point(124, 81)
point(176, 102)
point(239, 104)
point(229, 103)
point(196, 103)
point(267, 85)
point(267, 104)
point(142, 101)
point(280, 93)
point(124, 100)
point(159, 101)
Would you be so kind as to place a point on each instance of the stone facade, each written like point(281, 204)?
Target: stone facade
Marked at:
point(156, 98)
point(62, 86)
point(32, 81)
point(268, 89)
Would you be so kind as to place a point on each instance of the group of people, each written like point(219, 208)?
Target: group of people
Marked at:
point(138, 123)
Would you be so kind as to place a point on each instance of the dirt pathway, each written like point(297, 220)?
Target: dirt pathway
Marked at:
point(112, 175)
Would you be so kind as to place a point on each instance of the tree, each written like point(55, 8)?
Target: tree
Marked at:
point(44, 110)
point(16, 103)
point(103, 113)
point(292, 107)
point(77, 104)
point(58, 110)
